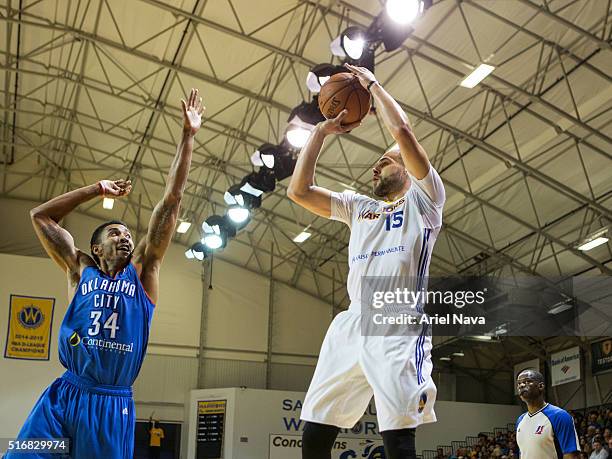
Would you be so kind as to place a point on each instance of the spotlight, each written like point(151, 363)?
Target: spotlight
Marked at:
point(238, 214)
point(213, 241)
point(404, 11)
point(307, 114)
point(264, 155)
point(285, 164)
point(297, 136)
point(391, 26)
point(302, 121)
point(197, 251)
point(319, 74)
point(235, 195)
point(350, 43)
point(445, 359)
point(217, 230)
point(263, 181)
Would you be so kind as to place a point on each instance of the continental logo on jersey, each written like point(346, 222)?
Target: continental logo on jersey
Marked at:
point(422, 402)
point(30, 317)
point(74, 339)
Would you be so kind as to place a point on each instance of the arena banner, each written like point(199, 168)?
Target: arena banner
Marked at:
point(29, 327)
point(290, 447)
point(601, 353)
point(533, 363)
point(565, 366)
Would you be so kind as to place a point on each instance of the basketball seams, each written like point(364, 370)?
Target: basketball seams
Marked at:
point(343, 85)
point(331, 98)
point(357, 109)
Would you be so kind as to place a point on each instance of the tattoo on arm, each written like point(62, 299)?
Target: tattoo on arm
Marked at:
point(164, 224)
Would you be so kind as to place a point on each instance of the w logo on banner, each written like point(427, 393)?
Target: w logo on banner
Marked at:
point(539, 430)
point(30, 317)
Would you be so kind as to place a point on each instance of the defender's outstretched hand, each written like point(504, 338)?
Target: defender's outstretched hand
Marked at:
point(335, 126)
point(192, 112)
point(365, 76)
point(115, 188)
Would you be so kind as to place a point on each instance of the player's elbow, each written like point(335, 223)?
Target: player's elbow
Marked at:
point(36, 214)
point(402, 131)
point(296, 194)
point(292, 193)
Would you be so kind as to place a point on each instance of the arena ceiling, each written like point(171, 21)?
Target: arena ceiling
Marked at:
point(91, 90)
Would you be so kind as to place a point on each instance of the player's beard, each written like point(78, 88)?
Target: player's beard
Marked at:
point(386, 186)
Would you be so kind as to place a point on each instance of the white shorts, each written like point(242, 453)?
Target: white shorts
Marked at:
point(352, 368)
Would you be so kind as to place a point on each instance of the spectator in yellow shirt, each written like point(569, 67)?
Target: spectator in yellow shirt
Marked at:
point(156, 435)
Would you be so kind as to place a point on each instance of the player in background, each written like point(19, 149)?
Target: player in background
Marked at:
point(405, 218)
point(112, 294)
point(545, 431)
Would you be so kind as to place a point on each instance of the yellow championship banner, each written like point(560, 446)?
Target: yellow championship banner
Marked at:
point(212, 407)
point(29, 329)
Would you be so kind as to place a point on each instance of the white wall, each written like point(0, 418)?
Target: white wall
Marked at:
point(254, 415)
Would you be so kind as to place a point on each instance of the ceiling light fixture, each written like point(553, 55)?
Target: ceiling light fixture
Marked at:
point(479, 74)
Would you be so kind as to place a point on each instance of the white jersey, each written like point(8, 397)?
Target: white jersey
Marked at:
point(546, 434)
point(387, 239)
point(391, 238)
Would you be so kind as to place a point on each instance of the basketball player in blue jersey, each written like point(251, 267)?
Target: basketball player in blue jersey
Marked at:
point(545, 431)
point(104, 334)
point(392, 236)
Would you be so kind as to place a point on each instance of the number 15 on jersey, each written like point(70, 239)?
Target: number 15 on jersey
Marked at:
point(394, 220)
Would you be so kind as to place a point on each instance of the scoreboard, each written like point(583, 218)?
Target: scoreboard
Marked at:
point(210, 428)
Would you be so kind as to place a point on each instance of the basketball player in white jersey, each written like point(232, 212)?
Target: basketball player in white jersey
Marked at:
point(391, 235)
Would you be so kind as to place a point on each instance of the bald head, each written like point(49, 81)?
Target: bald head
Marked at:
point(532, 374)
point(394, 154)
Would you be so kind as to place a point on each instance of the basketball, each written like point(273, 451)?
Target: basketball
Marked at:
point(341, 91)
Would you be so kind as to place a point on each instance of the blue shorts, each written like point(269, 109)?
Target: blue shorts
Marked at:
point(98, 420)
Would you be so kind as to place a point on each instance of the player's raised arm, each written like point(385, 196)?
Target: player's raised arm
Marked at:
point(302, 189)
point(150, 252)
point(58, 242)
point(413, 154)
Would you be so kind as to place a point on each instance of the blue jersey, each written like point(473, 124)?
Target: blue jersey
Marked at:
point(546, 434)
point(105, 331)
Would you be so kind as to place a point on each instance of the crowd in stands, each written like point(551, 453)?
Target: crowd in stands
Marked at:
point(594, 430)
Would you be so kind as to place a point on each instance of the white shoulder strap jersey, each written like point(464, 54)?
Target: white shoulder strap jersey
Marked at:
point(546, 434)
point(391, 238)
